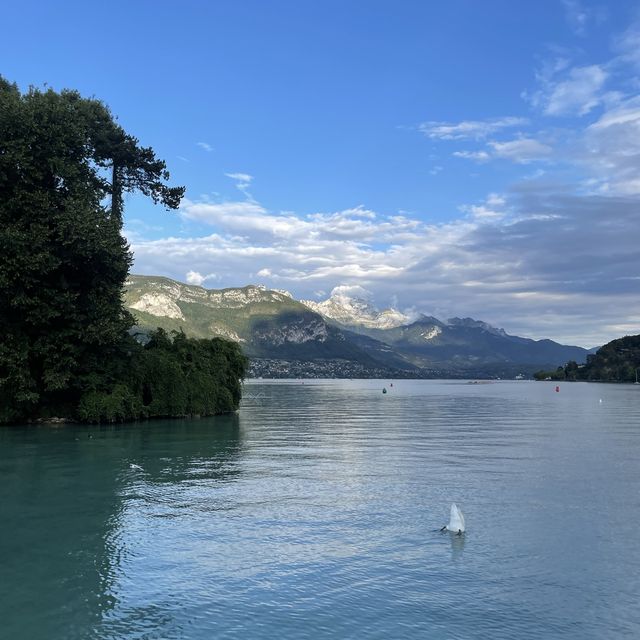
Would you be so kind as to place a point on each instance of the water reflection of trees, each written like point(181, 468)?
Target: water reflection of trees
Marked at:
point(64, 495)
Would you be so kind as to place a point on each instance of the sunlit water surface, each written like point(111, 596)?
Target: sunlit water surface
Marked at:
point(314, 513)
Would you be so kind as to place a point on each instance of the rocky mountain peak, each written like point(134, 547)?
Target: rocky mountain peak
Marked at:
point(352, 306)
point(470, 323)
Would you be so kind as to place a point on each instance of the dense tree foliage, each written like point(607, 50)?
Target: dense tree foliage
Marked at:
point(64, 166)
point(616, 361)
point(170, 376)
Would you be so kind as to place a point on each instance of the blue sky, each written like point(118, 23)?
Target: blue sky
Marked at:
point(458, 159)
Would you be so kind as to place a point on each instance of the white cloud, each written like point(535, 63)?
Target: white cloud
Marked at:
point(233, 215)
point(355, 212)
point(243, 182)
point(194, 277)
point(522, 150)
point(477, 156)
point(205, 145)
point(253, 221)
point(240, 177)
point(627, 45)
point(607, 149)
point(611, 149)
point(351, 291)
point(492, 209)
point(574, 92)
point(578, 16)
point(580, 93)
point(469, 129)
point(495, 200)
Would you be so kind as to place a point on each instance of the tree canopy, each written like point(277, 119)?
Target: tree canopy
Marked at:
point(65, 164)
point(616, 361)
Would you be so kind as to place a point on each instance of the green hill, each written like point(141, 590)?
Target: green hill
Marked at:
point(616, 361)
point(203, 313)
point(267, 324)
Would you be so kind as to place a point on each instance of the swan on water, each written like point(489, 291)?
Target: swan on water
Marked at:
point(456, 521)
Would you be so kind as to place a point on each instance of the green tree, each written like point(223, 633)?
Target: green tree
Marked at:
point(616, 361)
point(571, 370)
point(63, 260)
point(172, 376)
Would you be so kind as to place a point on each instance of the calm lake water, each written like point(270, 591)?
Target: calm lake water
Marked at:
point(314, 513)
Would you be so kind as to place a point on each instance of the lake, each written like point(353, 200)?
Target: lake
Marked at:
point(315, 513)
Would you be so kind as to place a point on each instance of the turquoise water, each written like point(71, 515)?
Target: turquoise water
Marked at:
point(314, 513)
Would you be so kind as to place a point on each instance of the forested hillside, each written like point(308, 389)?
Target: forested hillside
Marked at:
point(616, 361)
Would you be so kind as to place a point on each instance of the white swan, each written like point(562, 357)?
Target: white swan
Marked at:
point(456, 521)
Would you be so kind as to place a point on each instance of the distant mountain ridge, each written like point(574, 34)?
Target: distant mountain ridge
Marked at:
point(476, 324)
point(457, 343)
point(353, 311)
point(344, 335)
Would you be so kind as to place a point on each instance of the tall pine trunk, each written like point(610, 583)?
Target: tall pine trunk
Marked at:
point(116, 193)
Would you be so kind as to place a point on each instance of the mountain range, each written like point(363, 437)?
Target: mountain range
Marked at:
point(344, 336)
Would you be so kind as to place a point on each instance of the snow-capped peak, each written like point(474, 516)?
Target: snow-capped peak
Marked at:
point(352, 306)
